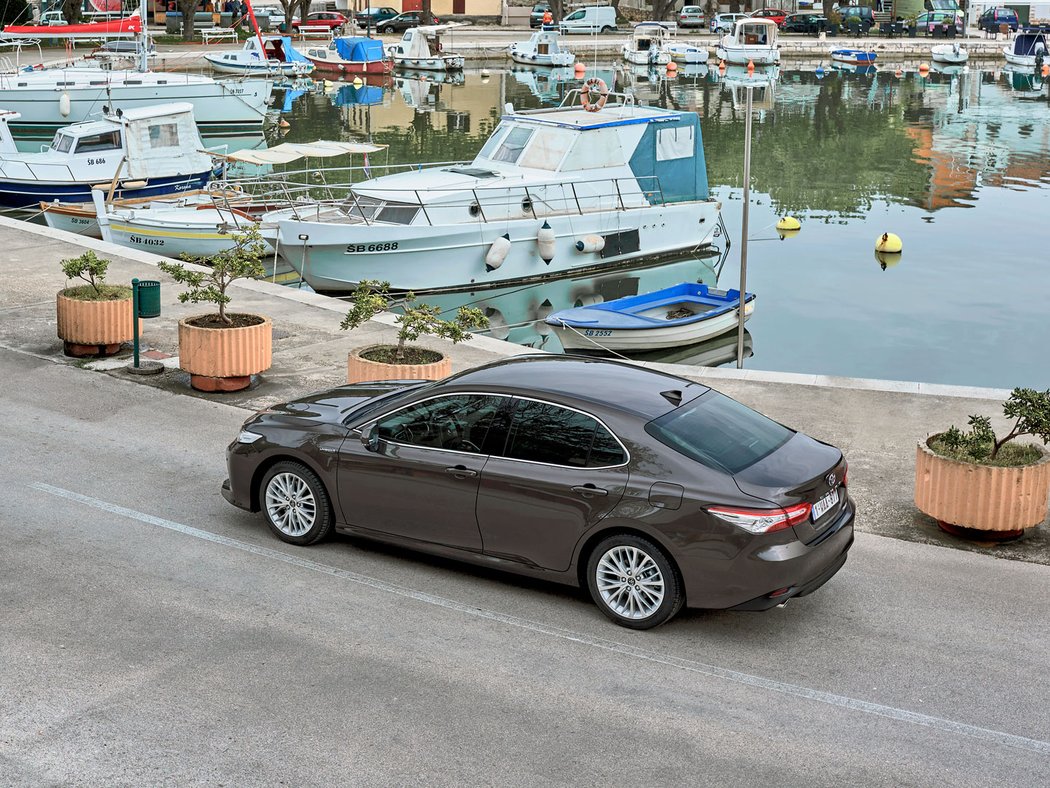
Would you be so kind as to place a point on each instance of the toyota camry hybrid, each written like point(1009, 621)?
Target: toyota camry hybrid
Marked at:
point(649, 490)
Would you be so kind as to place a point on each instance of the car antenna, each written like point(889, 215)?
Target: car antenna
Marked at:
point(674, 396)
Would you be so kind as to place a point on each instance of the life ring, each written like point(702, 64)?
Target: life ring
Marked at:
point(592, 84)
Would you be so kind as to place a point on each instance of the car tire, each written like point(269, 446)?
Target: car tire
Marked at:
point(388, 30)
point(295, 503)
point(606, 29)
point(633, 582)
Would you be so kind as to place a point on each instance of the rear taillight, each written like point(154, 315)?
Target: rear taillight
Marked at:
point(763, 521)
point(845, 472)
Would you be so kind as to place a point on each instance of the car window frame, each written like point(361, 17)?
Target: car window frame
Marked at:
point(623, 446)
point(368, 425)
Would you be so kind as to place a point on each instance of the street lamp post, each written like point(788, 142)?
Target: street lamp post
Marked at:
point(743, 233)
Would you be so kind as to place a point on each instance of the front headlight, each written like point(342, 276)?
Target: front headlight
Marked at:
point(247, 436)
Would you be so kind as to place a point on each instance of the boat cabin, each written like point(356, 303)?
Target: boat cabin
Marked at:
point(648, 36)
point(421, 42)
point(751, 31)
point(1030, 44)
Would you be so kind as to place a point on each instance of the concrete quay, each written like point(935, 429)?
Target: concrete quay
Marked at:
point(876, 423)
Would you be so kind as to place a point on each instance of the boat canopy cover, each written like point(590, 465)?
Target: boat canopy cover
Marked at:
point(291, 54)
point(360, 50)
point(669, 161)
point(349, 95)
point(160, 138)
point(1028, 43)
point(292, 151)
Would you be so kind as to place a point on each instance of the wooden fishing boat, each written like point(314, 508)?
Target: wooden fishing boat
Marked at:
point(682, 314)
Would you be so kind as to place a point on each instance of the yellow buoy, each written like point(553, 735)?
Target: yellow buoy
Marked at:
point(889, 244)
point(788, 223)
point(358, 82)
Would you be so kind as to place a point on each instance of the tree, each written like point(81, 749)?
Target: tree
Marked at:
point(16, 12)
point(288, 6)
point(188, 8)
point(303, 9)
point(71, 10)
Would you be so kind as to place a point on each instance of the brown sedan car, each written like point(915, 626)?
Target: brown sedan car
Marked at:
point(649, 490)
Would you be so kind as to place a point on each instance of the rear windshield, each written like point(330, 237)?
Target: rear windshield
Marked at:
point(719, 432)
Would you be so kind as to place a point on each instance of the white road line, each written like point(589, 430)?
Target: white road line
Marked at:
point(747, 679)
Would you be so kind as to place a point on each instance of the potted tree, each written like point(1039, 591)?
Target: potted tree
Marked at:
point(93, 318)
point(404, 361)
point(975, 484)
point(222, 350)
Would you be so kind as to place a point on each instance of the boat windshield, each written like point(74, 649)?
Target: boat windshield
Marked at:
point(62, 143)
point(375, 210)
point(107, 140)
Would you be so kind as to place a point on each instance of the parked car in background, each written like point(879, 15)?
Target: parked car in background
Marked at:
point(405, 21)
point(990, 20)
point(372, 16)
point(805, 22)
point(861, 14)
point(723, 23)
point(649, 490)
point(928, 20)
point(333, 20)
point(52, 19)
point(776, 14)
point(536, 15)
point(592, 19)
point(691, 16)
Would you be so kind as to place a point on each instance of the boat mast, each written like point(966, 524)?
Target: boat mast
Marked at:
point(143, 37)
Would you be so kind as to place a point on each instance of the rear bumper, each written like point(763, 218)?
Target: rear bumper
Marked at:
point(748, 580)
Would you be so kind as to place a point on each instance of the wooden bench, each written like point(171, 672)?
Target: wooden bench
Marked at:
point(210, 35)
point(314, 31)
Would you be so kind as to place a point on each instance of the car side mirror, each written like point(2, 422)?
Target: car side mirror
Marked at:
point(370, 438)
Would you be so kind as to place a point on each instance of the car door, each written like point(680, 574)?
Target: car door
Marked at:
point(559, 472)
point(419, 478)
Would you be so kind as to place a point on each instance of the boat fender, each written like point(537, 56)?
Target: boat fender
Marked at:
point(64, 107)
point(590, 244)
point(497, 253)
point(545, 243)
point(889, 243)
point(594, 84)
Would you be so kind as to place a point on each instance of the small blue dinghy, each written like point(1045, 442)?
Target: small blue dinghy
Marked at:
point(856, 57)
point(679, 315)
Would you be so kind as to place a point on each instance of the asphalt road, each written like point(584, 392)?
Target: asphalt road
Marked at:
point(150, 633)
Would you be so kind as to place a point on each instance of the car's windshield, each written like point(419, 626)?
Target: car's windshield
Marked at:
point(370, 406)
point(719, 432)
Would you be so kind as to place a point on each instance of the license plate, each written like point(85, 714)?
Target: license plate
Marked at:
point(823, 506)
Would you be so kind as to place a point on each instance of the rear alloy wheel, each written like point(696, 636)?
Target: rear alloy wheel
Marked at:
point(607, 29)
point(633, 582)
point(388, 30)
point(295, 503)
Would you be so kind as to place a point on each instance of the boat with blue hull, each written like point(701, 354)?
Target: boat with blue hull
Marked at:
point(683, 314)
point(552, 191)
point(139, 153)
point(855, 57)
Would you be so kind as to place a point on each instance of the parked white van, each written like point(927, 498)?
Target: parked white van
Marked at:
point(592, 19)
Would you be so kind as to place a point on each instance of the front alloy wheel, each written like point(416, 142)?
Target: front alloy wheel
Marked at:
point(633, 582)
point(296, 504)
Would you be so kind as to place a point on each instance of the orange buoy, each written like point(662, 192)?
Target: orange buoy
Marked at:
point(923, 68)
point(722, 66)
point(1046, 70)
point(751, 67)
point(580, 69)
point(898, 73)
point(672, 67)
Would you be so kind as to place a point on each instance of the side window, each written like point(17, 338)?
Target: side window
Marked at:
point(574, 16)
point(107, 140)
point(553, 435)
point(457, 423)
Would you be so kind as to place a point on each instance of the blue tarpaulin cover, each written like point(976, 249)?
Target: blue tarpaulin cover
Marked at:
point(291, 54)
point(359, 50)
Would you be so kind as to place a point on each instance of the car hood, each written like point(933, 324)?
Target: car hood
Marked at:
point(336, 405)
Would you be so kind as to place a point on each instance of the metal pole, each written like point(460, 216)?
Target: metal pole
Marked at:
point(743, 233)
point(135, 317)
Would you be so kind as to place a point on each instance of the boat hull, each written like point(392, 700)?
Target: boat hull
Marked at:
point(948, 54)
point(554, 61)
point(257, 69)
point(854, 57)
point(650, 58)
point(742, 55)
point(1020, 60)
point(222, 108)
point(688, 55)
point(334, 257)
point(171, 241)
point(19, 194)
point(447, 63)
point(628, 340)
point(348, 67)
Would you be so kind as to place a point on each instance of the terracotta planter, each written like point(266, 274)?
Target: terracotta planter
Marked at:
point(359, 370)
point(999, 501)
point(224, 359)
point(94, 328)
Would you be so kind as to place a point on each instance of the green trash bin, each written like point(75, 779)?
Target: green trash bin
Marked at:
point(148, 292)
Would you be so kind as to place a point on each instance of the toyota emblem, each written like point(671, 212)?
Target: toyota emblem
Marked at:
point(832, 479)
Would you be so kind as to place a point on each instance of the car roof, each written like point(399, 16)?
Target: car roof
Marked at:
point(628, 388)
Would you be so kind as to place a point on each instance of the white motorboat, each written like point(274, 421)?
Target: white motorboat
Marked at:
point(1027, 49)
point(687, 53)
point(203, 224)
point(753, 40)
point(542, 49)
point(138, 153)
point(950, 54)
point(552, 191)
point(646, 45)
point(421, 49)
point(262, 55)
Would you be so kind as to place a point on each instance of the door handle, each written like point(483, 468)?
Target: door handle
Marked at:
point(461, 472)
point(589, 490)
